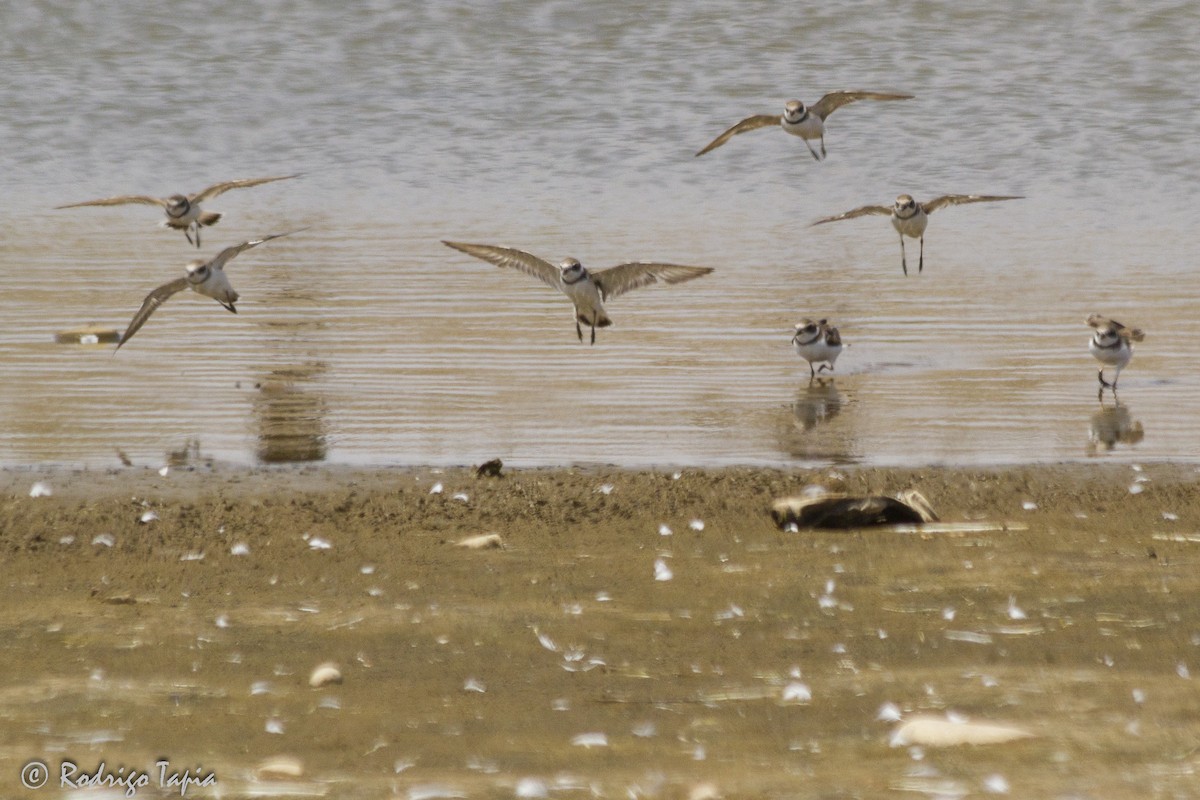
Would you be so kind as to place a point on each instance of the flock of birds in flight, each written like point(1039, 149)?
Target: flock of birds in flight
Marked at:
point(817, 342)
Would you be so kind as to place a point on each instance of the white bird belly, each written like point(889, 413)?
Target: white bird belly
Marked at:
point(810, 127)
point(913, 227)
point(589, 307)
point(1111, 356)
point(818, 352)
point(185, 220)
point(216, 286)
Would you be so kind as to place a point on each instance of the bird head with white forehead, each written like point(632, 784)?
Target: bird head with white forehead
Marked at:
point(794, 111)
point(905, 206)
point(212, 283)
point(572, 271)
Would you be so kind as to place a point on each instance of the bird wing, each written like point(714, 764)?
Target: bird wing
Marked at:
point(514, 259)
point(143, 199)
point(748, 124)
point(835, 100)
point(229, 252)
point(627, 277)
point(958, 199)
point(152, 301)
point(241, 183)
point(861, 211)
point(1101, 322)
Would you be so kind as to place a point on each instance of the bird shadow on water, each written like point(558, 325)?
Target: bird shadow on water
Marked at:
point(814, 427)
point(1113, 425)
point(290, 417)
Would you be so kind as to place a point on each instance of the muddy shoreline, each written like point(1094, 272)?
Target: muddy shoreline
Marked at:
point(192, 634)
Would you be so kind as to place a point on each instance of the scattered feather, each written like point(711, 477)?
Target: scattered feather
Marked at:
point(436, 489)
point(532, 789)
point(104, 540)
point(240, 549)
point(280, 767)
point(148, 517)
point(797, 692)
point(590, 740)
point(482, 541)
point(41, 489)
point(995, 784)
point(324, 675)
point(474, 685)
point(318, 543)
point(927, 731)
point(662, 572)
point(696, 524)
point(1014, 611)
point(888, 712)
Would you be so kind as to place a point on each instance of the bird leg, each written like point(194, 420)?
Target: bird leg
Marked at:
point(921, 262)
point(1103, 383)
point(593, 334)
point(825, 367)
point(903, 262)
point(814, 152)
point(579, 331)
point(228, 307)
point(811, 371)
point(188, 233)
point(197, 224)
point(822, 146)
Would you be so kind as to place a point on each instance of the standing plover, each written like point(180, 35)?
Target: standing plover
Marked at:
point(807, 122)
point(204, 277)
point(586, 290)
point(817, 342)
point(909, 217)
point(183, 211)
point(1112, 346)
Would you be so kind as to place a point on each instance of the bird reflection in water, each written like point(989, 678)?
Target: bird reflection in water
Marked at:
point(1111, 426)
point(817, 403)
point(291, 419)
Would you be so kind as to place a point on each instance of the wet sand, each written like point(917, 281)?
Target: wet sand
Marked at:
point(758, 669)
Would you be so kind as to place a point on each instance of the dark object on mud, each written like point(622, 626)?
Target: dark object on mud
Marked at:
point(848, 511)
point(489, 469)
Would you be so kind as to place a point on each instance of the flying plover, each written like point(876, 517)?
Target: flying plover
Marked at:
point(183, 211)
point(204, 277)
point(586, 290)
point(807, 122)
point(909, 217)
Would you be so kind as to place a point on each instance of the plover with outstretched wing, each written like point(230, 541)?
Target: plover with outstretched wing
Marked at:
point(183, 211)
point(910, 218)
point(203, 277)
point(807, 122)
point(587, 290)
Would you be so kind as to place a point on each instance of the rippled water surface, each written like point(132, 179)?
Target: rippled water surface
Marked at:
point(568, 128)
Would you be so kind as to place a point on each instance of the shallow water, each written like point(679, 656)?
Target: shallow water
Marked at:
point(568, 129)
